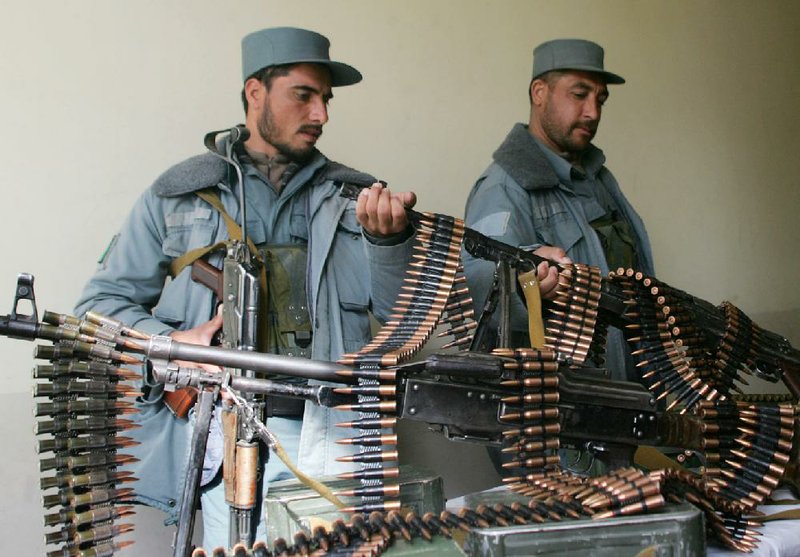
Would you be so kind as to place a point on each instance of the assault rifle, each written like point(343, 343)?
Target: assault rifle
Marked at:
point(240, 299)
point(236, 288)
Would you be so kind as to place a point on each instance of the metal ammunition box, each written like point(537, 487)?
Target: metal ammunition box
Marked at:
point(670, 531)
point(291, 506)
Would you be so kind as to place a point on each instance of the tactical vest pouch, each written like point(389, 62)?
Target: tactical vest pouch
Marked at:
point(288, 322)
point(616, 238)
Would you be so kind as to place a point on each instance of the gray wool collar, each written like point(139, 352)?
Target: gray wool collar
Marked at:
point(206, 170)
point(193, 174)
point(522, 158)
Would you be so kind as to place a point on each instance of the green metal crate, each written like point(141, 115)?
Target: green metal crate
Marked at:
point(290, 506)
point(671, 531)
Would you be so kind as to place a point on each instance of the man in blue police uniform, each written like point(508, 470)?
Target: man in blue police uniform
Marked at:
point(548, 189)
point(351, 260)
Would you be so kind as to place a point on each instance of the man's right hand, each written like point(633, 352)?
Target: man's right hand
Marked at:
point(383, 213)
point(547, 273)
point(202, 335)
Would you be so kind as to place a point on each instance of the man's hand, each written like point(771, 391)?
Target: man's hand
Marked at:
point(548, 274)
point(383, 213)
point(202, 335)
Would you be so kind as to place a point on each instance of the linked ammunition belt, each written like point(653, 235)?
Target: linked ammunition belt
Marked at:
point(531, 413)
point(427, 293)
point(79, 436)
point(573, 329)
point(746, 447)
point(726, 520)
point(552, 499)
point(675, 353)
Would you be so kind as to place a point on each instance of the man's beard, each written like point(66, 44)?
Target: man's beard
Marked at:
point(564, 140)
point(266, 128)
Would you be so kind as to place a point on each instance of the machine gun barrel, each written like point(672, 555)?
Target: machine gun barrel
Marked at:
point(165, 348)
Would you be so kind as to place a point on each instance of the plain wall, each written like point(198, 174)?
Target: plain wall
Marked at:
point(98, 97)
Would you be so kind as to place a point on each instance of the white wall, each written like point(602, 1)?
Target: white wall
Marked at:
point(97, 97)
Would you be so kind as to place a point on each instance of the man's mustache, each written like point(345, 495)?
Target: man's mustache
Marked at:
point(310, 128)
point(590, 126)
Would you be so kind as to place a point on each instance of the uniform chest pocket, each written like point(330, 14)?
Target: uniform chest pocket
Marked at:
point(352, 278)
point(298, 228)
point(187, 230)
point(556, 226)
point(349, 224)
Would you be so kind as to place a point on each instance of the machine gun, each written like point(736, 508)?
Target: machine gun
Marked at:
point(461, 395)
point(467, 396)
point(770, 356)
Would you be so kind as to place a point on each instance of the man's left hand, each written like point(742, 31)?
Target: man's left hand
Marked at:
point(383, 213)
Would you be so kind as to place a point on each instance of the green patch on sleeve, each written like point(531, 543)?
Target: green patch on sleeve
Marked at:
point(107, 251)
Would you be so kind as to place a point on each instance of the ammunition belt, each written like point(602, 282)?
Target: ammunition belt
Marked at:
point(427, 293)
point(572, 326)
point(726, 520)
point(747, 447)
point(674, 351)
point(556, 498)
point(670, 352)
point(531, 411)
point(79, 436)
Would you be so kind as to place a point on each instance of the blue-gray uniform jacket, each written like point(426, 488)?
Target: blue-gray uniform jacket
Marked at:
point(346, 277)
point(521, 200)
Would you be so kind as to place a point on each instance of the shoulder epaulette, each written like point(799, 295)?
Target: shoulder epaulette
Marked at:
point(193, 174)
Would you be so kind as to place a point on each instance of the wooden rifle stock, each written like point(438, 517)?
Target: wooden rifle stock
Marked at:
point(209, 276)
point(181, 400)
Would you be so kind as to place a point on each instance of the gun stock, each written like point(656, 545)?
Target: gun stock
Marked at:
point(209, 276)
point(181, 400)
